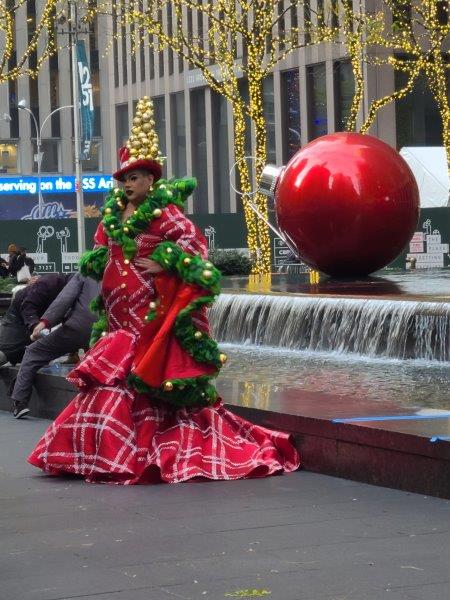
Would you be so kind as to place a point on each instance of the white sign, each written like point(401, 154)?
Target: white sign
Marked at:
point(427, 260)
point(437, 248)
point(416, 247)
point(418, 236)
point(70, 257)
point(434, 239)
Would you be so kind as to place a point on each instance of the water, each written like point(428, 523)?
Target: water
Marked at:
point(359, 326)
point(409, 383)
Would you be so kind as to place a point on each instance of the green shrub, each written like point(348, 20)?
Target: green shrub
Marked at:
point(6, 285)
point(231, 262)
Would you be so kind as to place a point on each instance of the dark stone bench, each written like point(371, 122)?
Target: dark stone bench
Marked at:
point(5, 301)
point(51, 392)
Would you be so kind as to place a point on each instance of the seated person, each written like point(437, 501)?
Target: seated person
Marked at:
point(25, 312)
point(4, 271)
point(18, 261)
point(71, 308)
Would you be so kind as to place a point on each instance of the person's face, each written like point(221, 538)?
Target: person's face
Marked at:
point(137, 185)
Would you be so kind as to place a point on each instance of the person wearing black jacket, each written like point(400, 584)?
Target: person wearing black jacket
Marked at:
point(25, 312)
point(19, 260)
point(71, 308)
point(4, 271)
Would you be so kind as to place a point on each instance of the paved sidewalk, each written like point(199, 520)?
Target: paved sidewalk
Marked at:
point(300, 537)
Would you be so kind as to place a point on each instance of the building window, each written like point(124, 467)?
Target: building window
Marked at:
point(115, 53)
point(418, 122)
point(160, 48)
point(54, 95)
point(221, 164)
point(269, 114)
point(9, 157)
point(344, 90)
point(334, 13)
point(123, 36)
point(160, 123)
point(50, 156)
point(317, 101)
point(290, 98)
point(307, 21)
point(199, 154)
point(170, 34)
point(151, 57)
point(178, 134)
point(121, 125)
point(94, 163)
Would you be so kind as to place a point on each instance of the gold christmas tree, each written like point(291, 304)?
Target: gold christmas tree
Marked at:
point(143, 141)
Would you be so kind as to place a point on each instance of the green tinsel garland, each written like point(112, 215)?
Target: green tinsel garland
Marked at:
point(101, 325)
point(197, 343)
point(186, 393)
point(93, 262)
point(191, 269)
point(164, 193)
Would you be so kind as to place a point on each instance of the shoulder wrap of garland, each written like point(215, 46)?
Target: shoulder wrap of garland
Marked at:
point(101, 325)
point(191, 269)
point(93, 262)
point(197, 391)
point(164, 193)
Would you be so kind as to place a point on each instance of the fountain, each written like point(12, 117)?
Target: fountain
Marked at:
point(365, 327)
point(305, 358)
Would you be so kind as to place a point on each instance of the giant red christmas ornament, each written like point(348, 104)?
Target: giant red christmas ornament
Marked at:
point(348, 202)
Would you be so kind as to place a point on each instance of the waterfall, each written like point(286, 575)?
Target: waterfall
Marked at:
point(363, 326)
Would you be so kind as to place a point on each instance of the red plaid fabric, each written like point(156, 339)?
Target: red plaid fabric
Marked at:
point(112, 435)
point(109, 433)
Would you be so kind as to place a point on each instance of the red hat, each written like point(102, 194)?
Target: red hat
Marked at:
point(131, 163)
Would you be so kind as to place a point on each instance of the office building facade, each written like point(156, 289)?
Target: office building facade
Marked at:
point(307, 95)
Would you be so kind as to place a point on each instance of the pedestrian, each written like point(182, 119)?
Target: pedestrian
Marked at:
point(13, 251)
point(146, 410)
point(4, 271)
point(21, 266)
point(24, 313)
point(70, 309)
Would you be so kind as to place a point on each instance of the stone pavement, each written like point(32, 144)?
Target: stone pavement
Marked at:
point(298, 537)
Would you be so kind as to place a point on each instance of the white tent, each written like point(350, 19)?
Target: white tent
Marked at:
point(429, 165)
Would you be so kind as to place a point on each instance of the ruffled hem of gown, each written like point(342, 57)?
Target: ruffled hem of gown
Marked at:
point(107, 363)
point(112, 435)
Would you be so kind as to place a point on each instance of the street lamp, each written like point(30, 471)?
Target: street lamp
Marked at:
point(22, 105)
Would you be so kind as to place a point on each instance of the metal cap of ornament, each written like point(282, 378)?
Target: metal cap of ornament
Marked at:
point(142, 149)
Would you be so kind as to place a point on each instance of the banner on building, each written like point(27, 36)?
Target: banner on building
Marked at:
point(86, 102)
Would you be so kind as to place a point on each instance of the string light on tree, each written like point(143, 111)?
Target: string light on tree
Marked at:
point(42, 40)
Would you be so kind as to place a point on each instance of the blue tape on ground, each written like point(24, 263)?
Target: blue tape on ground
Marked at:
point(393, 418)
point(440, 438)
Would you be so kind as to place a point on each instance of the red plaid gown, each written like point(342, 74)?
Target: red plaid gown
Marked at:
point(110, 433)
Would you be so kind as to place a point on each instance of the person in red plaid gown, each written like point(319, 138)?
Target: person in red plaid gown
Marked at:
point(146, 410)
